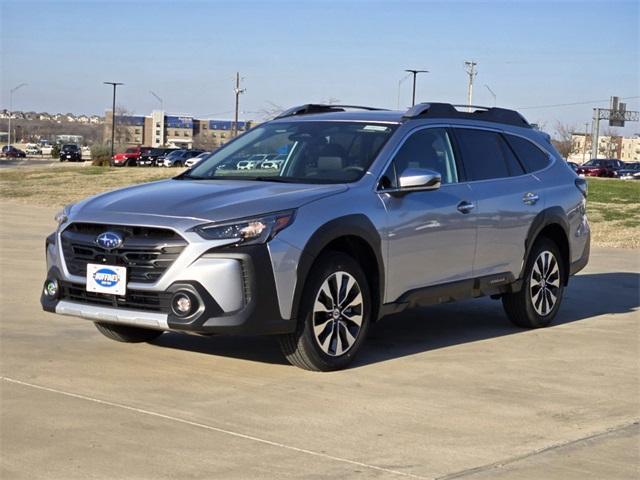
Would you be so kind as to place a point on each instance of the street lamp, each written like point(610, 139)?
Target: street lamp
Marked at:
point(113, 115)
point(11, 109)
point(492, 93)
point(159, 99)
point(415, 73)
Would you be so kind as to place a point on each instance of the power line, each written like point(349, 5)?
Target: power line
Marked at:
point(588, 102)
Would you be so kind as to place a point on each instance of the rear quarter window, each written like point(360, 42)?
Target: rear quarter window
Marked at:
point(532, 157)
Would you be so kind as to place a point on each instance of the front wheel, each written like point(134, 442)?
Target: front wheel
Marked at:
point(538, 301)
point(333, 318)
point(127, 334)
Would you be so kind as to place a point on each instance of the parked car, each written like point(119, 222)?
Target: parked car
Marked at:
point(46, 149)
point(179, 157)
point(574, 166)
point(10, 151)
point(601, 167)
point(129, 157)
point(631, 171)
point(191, 162)
point(70, 152)
point(149, 158)
point(159, 159)
point(32, 149)
point(374, 212)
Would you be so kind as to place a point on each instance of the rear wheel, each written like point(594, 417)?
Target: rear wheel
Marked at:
point(334, 315)
point(127, 334)
point(539, 299)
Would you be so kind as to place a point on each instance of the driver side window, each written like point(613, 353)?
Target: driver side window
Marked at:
point(429, 148)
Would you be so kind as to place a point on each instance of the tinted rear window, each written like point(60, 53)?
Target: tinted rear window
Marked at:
point(531, 156)
point(483, 154)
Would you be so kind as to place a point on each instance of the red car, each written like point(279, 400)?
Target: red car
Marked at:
point(601, 167)
point(129, 157)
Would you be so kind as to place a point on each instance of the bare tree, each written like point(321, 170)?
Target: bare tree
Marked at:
point(611, 145)
point(563, 139)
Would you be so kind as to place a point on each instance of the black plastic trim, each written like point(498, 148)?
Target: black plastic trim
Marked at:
point(357, 225)
point(450, 292)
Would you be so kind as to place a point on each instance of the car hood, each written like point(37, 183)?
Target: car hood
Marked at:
point(194, 201)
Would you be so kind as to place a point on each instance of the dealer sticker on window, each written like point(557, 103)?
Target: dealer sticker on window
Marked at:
point(106, 279)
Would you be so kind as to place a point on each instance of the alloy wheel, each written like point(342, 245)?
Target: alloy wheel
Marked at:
point(337, 314)
point(544, 283)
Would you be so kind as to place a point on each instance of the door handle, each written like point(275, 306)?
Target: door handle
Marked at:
point(530, 198)
point(466, 207)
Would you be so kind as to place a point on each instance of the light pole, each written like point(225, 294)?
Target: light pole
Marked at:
point(11, 109)
point(113, 115)
point(415, 74)
point(159, 99)
point(237, 91)
point(492, 94)
point(470, 67)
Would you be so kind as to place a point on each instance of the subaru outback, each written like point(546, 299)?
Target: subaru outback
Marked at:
point(369, 213)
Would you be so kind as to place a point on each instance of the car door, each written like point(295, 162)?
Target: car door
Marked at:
point(507, 197)
point(431, 234)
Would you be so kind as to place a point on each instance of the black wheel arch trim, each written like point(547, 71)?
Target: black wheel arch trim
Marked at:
point(547, 217)
point(354, 225)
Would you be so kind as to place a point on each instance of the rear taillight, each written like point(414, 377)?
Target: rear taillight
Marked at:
point(583, 186)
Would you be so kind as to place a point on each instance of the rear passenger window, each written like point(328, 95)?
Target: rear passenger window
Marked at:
point(483, 154)
point(531, 156)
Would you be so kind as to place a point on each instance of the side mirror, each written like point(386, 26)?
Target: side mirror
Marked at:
point(418, 179)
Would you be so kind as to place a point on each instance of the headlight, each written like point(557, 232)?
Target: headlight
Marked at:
point(249, 231)
point(63, 215)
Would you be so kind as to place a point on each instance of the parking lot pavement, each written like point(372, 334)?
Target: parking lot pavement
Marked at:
point(452, 391)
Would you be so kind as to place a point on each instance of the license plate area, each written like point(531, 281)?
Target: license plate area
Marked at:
point(106, 279)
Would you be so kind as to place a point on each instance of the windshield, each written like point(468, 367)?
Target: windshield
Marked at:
point(131, 150)
point(69, 147)
point(592, 163)
point(176, 154)
point(305, 152)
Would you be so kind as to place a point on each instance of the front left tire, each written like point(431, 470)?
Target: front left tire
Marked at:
point(334, 315)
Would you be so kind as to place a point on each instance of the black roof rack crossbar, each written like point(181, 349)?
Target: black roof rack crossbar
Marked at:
point(486, 114)
point(321, 108)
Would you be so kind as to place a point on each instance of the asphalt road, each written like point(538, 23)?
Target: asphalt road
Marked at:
point(452, 391)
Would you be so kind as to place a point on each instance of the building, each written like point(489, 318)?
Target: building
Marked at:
point(160, 129)
point(626, 149)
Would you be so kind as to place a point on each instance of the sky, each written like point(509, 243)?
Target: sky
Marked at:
point(533, 55)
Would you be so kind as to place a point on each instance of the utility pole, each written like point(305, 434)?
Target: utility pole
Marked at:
point(470, 67)
point(237, 91)
point(492, 94)
point(113, 115)
point(415, 74)
point(586, 136)
point(11, 110)
point(595, 132)
point(159, 99)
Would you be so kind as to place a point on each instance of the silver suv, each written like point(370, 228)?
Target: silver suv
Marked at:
point(370, 212)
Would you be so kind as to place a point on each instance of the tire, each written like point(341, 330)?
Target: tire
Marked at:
point(533, 306)
point(337, 336)
point(127, 334)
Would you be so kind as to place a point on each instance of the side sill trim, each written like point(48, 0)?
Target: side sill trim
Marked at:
point(157, 321)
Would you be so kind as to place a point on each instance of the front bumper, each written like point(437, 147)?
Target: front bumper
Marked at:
point(234, 287)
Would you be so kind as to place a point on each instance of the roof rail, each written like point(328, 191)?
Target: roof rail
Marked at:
point(486, 114)
point(320, 108)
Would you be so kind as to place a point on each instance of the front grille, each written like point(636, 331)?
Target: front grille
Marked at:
point(146, 252)
point(133, 300)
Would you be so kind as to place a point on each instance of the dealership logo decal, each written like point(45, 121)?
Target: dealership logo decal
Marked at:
point(105, 277)
point(109, 240)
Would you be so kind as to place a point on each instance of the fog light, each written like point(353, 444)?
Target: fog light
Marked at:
point(183, 304)
point(51, 288)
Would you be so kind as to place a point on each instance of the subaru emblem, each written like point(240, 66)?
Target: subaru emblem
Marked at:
point(109, 240)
